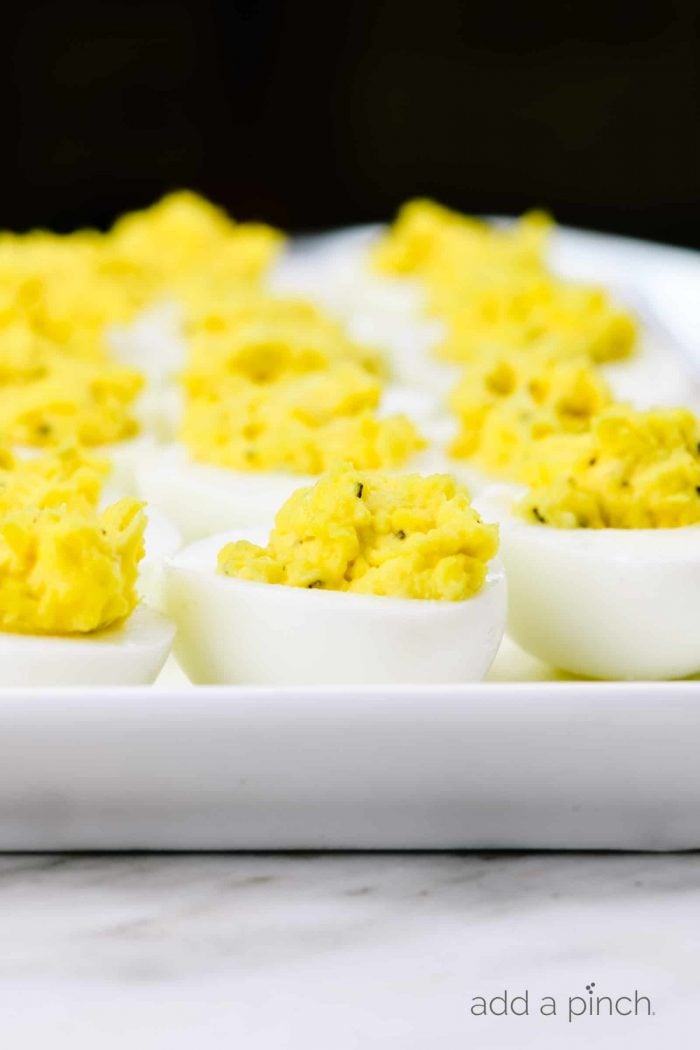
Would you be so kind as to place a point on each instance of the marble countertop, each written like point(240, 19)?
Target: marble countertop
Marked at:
point(346, 950)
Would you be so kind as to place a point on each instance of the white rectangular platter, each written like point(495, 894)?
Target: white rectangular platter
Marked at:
point(526, 759)
point(570, 765)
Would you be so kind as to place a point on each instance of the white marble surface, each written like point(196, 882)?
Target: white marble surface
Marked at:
point(343, 951)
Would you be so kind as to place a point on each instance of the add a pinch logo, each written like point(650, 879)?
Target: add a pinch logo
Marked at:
point(571, 1007)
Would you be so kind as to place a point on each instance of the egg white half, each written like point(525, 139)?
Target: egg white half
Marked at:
point(130, 653)
point(602, 603)
point(233, 630)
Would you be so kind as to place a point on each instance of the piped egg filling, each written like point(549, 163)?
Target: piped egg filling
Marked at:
point(405, 536)
point(70, 400)
point(506, 405)
point(66, 571)
point(56, 288)
point(265, 339)
point(302, 425)
point(275, 385)
point(631, 470)
point(65, 567)
point(448, 249)
point(59, 294)
point(186, 246)
point(65, 476)
point(494, 290)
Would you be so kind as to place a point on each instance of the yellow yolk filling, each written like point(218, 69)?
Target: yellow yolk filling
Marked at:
point(53, 286)
point(505, 406)
point(69, 287)
point(493, 288)
point(60, 293)
point(70, 400)
point(632, 470)
point(187, 246)
point(305, 424)
point(408, 536)
point(273, 384)
point(566, 319)
point(445, 247)
point(67, 571)
point(264, 339)
point(66, 476)
point(65, 568)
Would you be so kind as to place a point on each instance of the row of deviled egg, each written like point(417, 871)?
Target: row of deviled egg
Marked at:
point(252, 397)
point(365, 577)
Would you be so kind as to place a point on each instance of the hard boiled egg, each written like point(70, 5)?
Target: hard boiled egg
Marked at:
point(129, 653)
point(233, 630)
point(602, 603)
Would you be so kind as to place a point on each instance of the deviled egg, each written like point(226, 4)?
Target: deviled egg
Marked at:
point(365, 578)
point(505, 405)
point(68, 579)
point(493, 288)
point(603, 552)
point(72, 401)
point(69, 475)
point(248, 445)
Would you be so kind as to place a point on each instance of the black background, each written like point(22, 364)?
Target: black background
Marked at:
point(315, 114)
